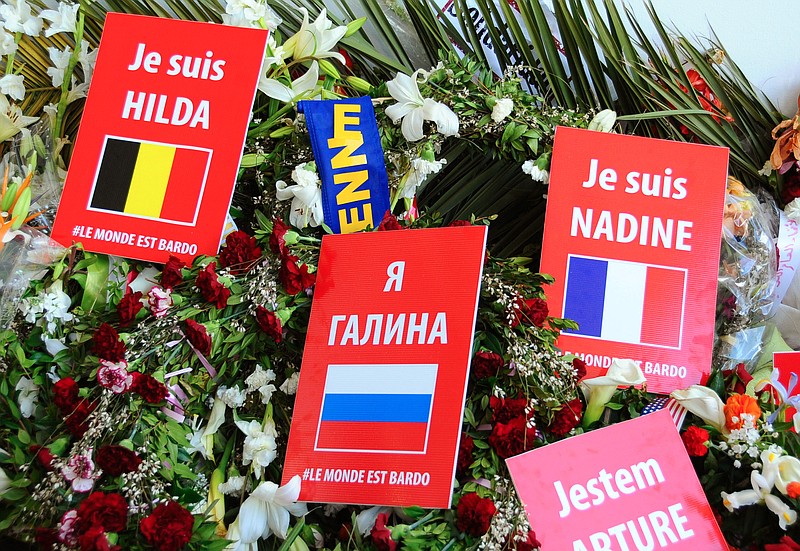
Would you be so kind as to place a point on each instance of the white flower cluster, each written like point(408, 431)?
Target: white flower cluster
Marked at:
point(250, 13)
point(48, 309)
point(537, 174)
point(417, 174)
point(261, 381)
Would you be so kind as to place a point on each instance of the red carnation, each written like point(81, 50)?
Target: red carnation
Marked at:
point(78, 422)
point(210, 287)
point(107, 345)
point(465, 458)
point(695, 438)
point(567, 418)
point(786, 544)
point(486, 364)
point(148, 387)
point(43, 455)
point(198, 336)
point(505, 409)
point(171, 275)
point(277, 243)
point(389, 222)
point(168, 528)
point(269, 323)
point(129, 306)
point(459, 223)
point(475, 514)
point(240, 252)
point(95, 539)
point(512, 438)
point(531, 310)
point(117, 460)
point(65, 394)
point(294, 277)
point(107, 511)
point(47, 538)
point(382, 536)
point(528, 544)
point(580, 367)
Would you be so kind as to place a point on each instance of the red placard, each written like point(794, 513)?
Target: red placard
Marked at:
point(626, 486)
point(632, 237)
point(377, 418)
point(161, 138)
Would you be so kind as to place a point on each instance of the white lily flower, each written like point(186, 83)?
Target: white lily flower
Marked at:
point(11, 119)
point(61, 21)
point(28, 396)
point(234, 535)
point(267, 510)
point(786, 515)
point(274, 56)
point(315, 40)
point(413, 109)
point(53, 346)
point(5, 482)
point(18, 18)
point(87, 60)
point(60, 59)
point(77, 91)
point(13, 85)
point(7, 44)
point(304, 87)
point(306, 196)
point(260, 447)
point(215, 420)
point(599, 390)
point(788, 471)
point(705, 403)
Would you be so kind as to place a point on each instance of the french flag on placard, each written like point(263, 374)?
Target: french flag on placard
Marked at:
point(623, 301)
point(377, 408)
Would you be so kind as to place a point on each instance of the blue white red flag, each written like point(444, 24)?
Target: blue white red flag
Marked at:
point(676, 411)
point(630, 302)
point(377, 408)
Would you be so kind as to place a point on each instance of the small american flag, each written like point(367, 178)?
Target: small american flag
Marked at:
point(677, 411)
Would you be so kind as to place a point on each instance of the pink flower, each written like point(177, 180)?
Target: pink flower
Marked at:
point(80, 472)
point(159, 301)
point(114, 376)
point(66, 532)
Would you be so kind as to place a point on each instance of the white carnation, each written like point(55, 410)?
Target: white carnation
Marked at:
point(502, 109)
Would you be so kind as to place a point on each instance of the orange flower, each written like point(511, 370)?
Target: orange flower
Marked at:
point(787, 141)
point(793, 490)
point(737, 406)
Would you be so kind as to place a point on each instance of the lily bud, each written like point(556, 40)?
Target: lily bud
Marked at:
point(359, 84)
point(599, 390)
point(603, 121)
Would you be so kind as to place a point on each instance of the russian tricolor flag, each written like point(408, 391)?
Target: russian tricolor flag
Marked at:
point(377, 408)
point(623, 301)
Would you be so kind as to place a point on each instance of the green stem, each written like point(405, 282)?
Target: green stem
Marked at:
point(12, 55)
point(73, 60)
point(421, 521)
point(261, 129)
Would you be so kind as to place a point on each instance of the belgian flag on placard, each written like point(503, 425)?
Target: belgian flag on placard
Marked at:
point(151, 180)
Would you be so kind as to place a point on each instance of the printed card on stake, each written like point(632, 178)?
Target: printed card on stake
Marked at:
point(626, 486)
point(632, 237)
point(161, 138)
point(379, 406)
